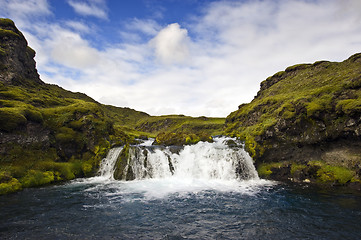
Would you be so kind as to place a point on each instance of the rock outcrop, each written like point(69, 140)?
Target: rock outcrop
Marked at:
point(17, 62)
point(47, 134)
point(305, 118)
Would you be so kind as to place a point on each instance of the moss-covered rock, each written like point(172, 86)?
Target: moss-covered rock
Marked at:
point(8, 184)
point(303, 114)
point(317, 172)
point(120, 172)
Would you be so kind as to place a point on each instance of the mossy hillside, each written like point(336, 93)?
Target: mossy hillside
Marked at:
point(125, 121)
point(77, 135)
point(316, 100)
point(180, 129)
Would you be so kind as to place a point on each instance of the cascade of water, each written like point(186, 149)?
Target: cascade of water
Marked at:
point(107, 164)
point(200, 161)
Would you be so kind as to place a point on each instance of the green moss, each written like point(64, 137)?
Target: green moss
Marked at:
point(63, 170)
point(182, 138)
point(329, 173)
point(297, 67)
point(180, 123)
point(121, 163)
point(37, 178)
point(33, 115)
point(349, 106)
point(2, 53)
point(8, 33)
point(11, 119)
point(287, 110)
point(66, 135)
point(277, 75)
point(313, 107)
point(6, 22)
point(10, 186)
point(294, 101)
point(264, 169)
point(87, 169)
point(297, 167)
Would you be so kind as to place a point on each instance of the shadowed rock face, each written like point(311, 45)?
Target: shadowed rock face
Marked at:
point(17, 62)
point(305, 114)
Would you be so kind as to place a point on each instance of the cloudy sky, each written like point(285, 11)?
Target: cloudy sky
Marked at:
point(198, 58)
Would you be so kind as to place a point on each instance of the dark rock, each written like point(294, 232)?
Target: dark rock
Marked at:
point(17, 60)
point(281, 173)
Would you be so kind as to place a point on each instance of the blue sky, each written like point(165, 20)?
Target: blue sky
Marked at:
point(180, 56)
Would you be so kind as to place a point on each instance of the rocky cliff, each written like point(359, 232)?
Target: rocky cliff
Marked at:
point(17, 62)
point(305, 123)
point(47, 134)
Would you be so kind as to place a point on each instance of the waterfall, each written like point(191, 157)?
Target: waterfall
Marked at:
point(107, 164)
point(218, 160)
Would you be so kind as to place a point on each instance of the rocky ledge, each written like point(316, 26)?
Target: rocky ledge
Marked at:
point(304, 125)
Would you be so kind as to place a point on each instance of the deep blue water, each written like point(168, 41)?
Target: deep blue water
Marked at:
point(119, 210)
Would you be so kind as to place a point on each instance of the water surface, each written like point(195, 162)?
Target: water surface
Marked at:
point(97, 209)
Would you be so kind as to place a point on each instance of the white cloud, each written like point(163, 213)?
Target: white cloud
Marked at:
point(171, 44)
point(210, 67)
point(95, 8)
point(69, 49)
point(21, 10)
point(145, 26)
point(78, 26)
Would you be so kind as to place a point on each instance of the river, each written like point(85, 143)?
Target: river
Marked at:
point(194, 198)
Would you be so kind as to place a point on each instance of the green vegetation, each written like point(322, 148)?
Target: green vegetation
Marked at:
point(304, 108)
point(303, 95)
point(313, 171)
point(6, 22)
point(8, 33)
point(121, 163)
point(179, 129)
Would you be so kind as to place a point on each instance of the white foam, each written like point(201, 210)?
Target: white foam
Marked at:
point(196, 168)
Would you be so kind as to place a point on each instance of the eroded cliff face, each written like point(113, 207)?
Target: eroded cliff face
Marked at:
point(17, 62)
point(305, 123)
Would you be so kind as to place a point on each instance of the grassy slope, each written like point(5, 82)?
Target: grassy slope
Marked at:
point(179, 129)
point(308, 90)
point(306, 103)
point(77, 134)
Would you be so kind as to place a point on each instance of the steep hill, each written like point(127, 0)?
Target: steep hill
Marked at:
point(305, 123)
point(47, 134)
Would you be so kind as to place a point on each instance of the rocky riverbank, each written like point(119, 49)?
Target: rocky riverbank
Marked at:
point(304, 125)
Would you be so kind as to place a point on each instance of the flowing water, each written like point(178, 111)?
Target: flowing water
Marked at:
point(205, 191)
